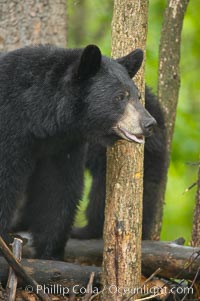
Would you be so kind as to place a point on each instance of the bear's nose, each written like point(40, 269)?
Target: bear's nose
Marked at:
point(148, 125)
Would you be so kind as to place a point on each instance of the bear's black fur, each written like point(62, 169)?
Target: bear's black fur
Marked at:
point(154, 173)
point(52, 102)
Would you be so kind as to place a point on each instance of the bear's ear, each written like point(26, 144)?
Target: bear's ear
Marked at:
point(132, 62)
point(90, 62)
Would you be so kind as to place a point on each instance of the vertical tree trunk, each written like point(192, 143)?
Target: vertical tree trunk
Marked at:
point(124, 187)
point(196, 220)
point(168, 86)
point(32, 22)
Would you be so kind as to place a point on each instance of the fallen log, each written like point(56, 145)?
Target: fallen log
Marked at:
point(175, 261)
point(51, 272)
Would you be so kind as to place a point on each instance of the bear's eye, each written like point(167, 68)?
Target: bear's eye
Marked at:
point(119, 97)
point(122, 96)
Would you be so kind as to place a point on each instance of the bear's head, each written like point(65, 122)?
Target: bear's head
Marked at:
point(110, 100)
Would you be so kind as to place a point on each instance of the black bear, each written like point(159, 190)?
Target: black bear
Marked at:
point(154, 174)
point(52, 102)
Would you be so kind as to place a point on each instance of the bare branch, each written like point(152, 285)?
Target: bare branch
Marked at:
point(20, 271)
point(12, 278)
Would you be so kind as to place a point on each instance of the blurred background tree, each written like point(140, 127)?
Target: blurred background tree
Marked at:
point(90, 22)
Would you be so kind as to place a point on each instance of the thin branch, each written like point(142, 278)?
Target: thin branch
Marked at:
point(145, 282)
point(96, 295)
point(190, 187)
point(20, 271)
point(12, 278)
point(193, 282)
point(149, 297)
point(89, 286)
point(196, 219)
point(188, 264)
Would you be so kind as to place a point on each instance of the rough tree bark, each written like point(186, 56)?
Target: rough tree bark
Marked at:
point(32, 22)
point(196, 220)
point(168, 87)
point(123, 213)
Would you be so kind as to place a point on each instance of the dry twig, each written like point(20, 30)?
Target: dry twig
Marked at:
point(89, 287)
point(20, 271)
point(145, 282)
point(11, 286)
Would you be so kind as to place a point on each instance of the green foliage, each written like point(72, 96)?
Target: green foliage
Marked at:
point(95, 23)
point(95, 27)
point(80, 217)
point(179, 207)
point(156, 10)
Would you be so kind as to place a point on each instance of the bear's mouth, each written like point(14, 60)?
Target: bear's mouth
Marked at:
point(125, 134)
